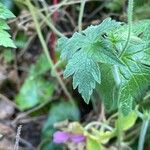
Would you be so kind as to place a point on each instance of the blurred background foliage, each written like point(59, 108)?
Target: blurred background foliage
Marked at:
point(27, 77)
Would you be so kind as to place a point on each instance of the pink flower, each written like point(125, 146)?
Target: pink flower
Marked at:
point(61, 137)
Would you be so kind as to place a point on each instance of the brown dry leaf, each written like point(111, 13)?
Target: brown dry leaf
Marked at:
point(3, 74)
point(6, 130)
point(6, 109)
point(5, 144)
point(13, 76)
point(6, 141)
point(76, 146)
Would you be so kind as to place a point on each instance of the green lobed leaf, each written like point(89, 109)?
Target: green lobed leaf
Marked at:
point(5, 39)
point(68, 46)
point(5, 13)
point(142, 29)
point(8, 4)
point(89, 51)
point(3, 25)
point(135, 74)
point(135, 81)
point(84, 51)
point(86, 73)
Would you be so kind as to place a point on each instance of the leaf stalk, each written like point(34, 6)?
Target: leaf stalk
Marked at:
point(130, 18)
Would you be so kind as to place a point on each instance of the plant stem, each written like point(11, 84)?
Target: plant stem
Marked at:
point(130, 18)
point(51, 25)
point(105, 125)
point(41, 38)
point(81, 15)
point(116, 75)
point(143, 132)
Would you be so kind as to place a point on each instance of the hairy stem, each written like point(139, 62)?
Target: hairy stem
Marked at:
point(143, 132)
point(81, 15)
point(45, 49)
point(130, 18)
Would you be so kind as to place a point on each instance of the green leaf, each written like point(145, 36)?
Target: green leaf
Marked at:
point(58, 112)
point(35, 89)
point(108, 89)
point(142, 29)
point(86, 73)
point(135, 82)
point(5, 13)
point(8, 4)
point(126, 122)
point(8, 55)
point(92, 144)
point(135, 74)
point(3, 25)
point(84, 51)
point(40, 67)
point(33, 92)
point(21, 40)
point(68, 46)
point(5, 39)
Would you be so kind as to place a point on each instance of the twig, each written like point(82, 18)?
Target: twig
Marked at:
point(81, 15)
point(16, 147)
point(27, 144)
point(143, 132)
point(130, 18)
point(87, 127)
point(45, 49)
point(24, 114)
point(3, 97)
point(54, 8)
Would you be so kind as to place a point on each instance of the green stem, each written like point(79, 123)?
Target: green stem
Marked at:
point(130, 18)
point(41, 38)
point(143, 132)
point(90, 125)
point(81, 15)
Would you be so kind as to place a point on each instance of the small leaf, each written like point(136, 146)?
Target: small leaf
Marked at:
point(3, 25)
point(126, 122)
point(33, 92)
point(92, 144)
point(5, 39)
